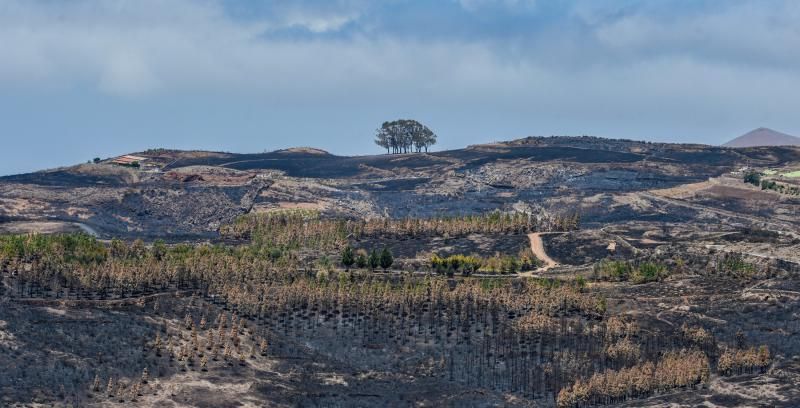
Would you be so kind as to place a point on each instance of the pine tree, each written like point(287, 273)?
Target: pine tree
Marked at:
point(194, 337)
point(96, 384)
point(120, 390)
point(157, 344)
point(348, 258)
point(135, 388)
point(234, 334)
point(221, 332)
point(361, 259)
point(374, 260)
point(110, 387)
point(386, 258)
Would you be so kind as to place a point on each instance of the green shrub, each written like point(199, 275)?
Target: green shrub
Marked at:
point(386, 258)
point(361, 259)
point(649, 272)
point(463, 264)
point(625, 271)
point(348, 257)
point(612, 270)
point(735, 265)
point(374, 260)
point(753, 178)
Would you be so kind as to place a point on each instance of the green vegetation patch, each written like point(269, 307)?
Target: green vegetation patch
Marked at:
point(497, 264)
point(70, 248)
point(627, 271)
point(734, 265)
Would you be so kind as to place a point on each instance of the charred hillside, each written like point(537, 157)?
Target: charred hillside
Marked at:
point(615, 273)
point(191, 193)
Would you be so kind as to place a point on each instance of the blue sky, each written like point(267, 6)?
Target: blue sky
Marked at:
point(86, 78)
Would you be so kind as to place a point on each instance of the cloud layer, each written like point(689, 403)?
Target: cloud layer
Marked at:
point(478, 69)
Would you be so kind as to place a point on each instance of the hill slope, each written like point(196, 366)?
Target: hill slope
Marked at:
point(180, 194)
point(763, 137)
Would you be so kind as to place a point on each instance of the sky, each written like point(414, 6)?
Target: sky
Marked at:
point(97, 78)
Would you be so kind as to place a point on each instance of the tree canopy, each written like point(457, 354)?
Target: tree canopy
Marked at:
point(403, 136)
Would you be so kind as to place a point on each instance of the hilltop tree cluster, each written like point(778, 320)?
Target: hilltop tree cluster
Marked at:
point(403, 136)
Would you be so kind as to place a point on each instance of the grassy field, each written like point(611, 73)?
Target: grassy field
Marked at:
point(793, 174)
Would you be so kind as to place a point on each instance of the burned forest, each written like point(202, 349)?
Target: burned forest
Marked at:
point(540, 272)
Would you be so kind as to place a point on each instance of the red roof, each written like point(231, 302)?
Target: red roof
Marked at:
point(128, 159)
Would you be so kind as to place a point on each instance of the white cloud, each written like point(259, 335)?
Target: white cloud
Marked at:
point(324, 74)
point(314, 20)
point(127, 74)
point(743, 33)
point(148, 46)
point(122, 47)
point(476, 5)
point(320, 24)
point(623, 63)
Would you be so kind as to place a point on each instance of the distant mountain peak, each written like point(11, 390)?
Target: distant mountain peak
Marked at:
point(763, 137)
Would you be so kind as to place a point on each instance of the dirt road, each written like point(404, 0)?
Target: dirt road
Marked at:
point(538, 249)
